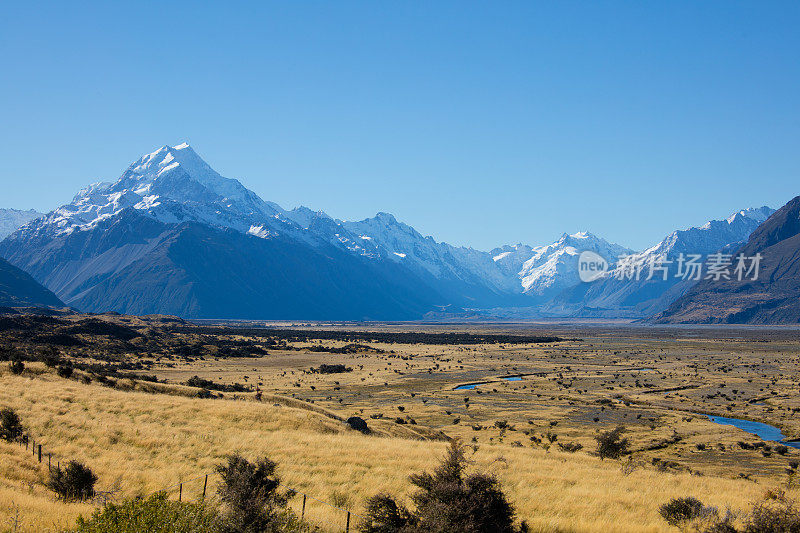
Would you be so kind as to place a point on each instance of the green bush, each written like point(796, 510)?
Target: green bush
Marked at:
point(74, 482)
point(678, 511)
point(776, 513)
point(611, 443)
point(16, 367)
point(155, 514)
point(384, 515)
point(10, 425)
point(65, 371)
point(447, 501)
point(252, 502)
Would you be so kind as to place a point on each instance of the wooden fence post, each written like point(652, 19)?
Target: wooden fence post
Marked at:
point(347, 527)
point(40, 453)
point(303, 512)
point(205, 484)
point(180, 491)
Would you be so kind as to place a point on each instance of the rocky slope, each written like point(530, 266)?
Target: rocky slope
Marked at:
point(18, 289)
point(772, 298)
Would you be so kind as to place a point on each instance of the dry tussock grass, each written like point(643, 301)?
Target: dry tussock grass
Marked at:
point(140, 443)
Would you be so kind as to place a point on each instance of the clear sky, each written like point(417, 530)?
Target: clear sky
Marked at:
point(478, 123)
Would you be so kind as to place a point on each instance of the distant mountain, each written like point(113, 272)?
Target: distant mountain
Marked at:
point(466, 276)
point(13, 219)
point(773, 298)
point(18, 289)
point(616, 295)
point(171, 235)
point(545, 271)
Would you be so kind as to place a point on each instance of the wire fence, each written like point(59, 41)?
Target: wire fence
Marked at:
point(311, 510)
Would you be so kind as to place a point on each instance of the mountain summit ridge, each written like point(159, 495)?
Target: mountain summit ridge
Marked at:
point(87, 251)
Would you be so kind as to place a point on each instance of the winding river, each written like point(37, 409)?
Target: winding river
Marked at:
point(759, 429)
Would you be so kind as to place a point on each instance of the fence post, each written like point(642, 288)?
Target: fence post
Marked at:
point(180, 491)
point(303, 512)
point(40, 453)
point(49, 460)
point(205, 484)
point(347, 527)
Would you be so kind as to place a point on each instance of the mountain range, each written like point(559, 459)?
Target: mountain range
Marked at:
point(768, 295)
point(616, 295)
point(171, 235)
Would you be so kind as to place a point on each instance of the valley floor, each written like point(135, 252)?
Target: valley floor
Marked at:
point(141, 437)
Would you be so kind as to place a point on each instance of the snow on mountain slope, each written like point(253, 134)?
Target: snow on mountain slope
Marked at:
point(403, 243)
point(83, 248)
point(617, 295)
point(544, 271)
point(173, 185)
point(713, 235)
point(86, 250)
point(13, 219)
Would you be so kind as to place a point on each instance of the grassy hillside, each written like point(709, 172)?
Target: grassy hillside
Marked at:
point(139, 442)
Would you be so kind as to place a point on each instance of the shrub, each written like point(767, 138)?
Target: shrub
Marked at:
point(384, 515)
point(50, 356)
point(331, 369)
point(250, 494)
point(775, 513)
point(65, 371)
point(446, 501)
point(155, 513)
point(16, 367)
point(678, 511)
point(74, 482)
point(10, 425)
point(570, 447)
point(196, 381)
point(358, 423)
point(611, 443)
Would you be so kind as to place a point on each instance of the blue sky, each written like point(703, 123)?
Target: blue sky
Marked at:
point(478, 123)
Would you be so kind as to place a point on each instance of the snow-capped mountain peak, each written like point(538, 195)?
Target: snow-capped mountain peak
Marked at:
point(758, 214)
point(160, 170)
point(554, 267)
point(711, 236)
point(171, 184)
point(13, 219)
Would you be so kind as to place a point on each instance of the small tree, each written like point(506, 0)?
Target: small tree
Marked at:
point(250, 492)
point(10, 425)
point(447, 501)
point(681, 510)
point(384, 515)
point(611, 443)
point(16, 367)
point(75, 482)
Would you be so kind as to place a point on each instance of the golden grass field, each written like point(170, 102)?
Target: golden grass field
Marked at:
point(141, 437)
point(141, 442)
